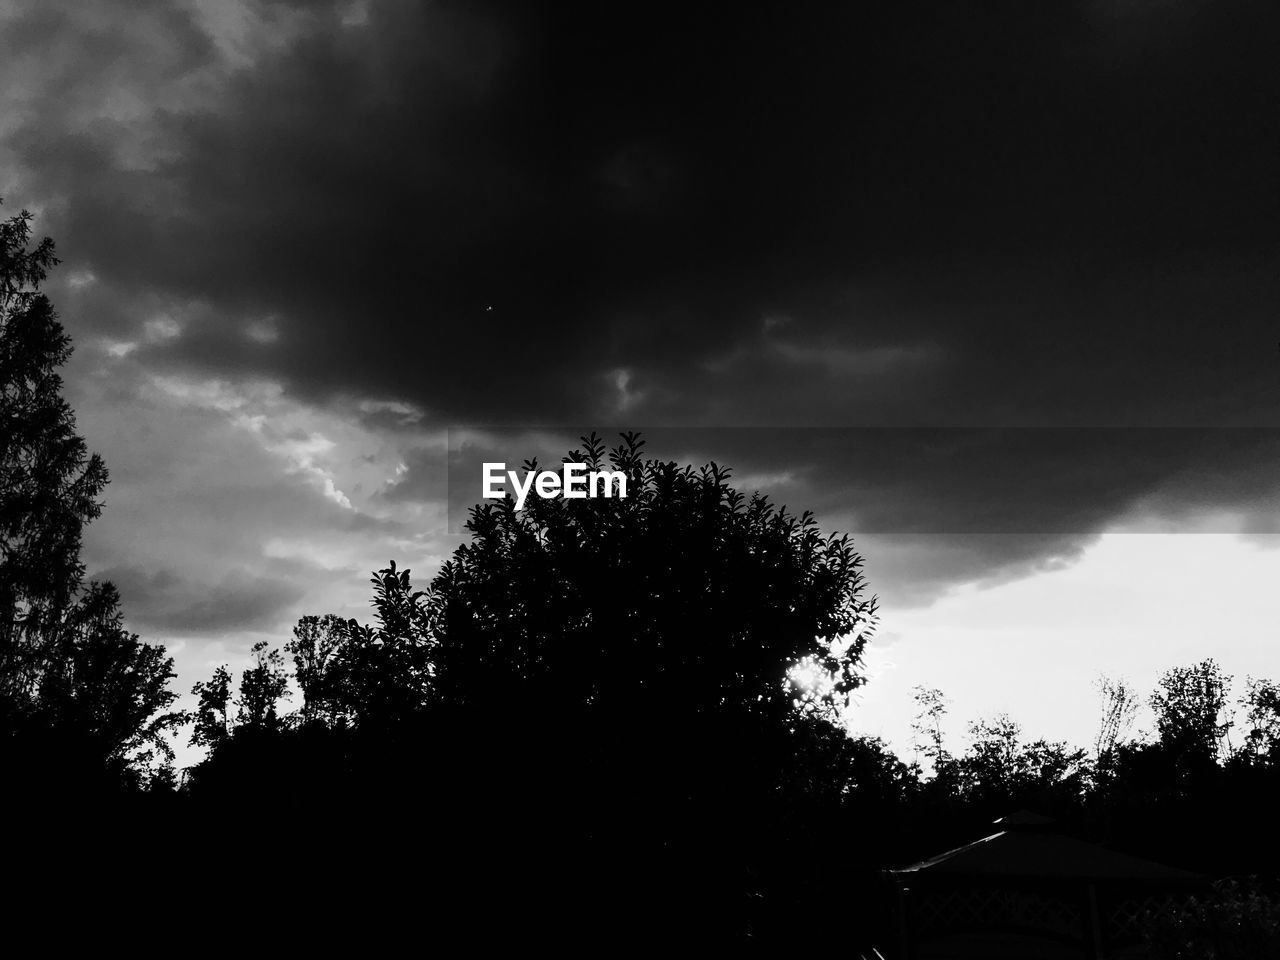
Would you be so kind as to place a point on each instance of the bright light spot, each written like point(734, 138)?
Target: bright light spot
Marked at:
point(810, 681)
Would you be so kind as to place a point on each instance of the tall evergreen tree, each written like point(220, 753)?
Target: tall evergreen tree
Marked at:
point(77, 690)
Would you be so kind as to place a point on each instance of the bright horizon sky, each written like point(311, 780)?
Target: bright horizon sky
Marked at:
point(1123, 609)
point(1133, 606)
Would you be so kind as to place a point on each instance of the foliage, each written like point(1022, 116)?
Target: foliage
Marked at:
point(1000, 772)
point(262, 687)
point(1261, 705)
point(211, 719)
point(1188, 705)
point(317, 652)
point(1238, 920)
point(76, 688)
point(926, 727)
point(384, 673)
point(49, 483)
point(1119, 710)
point(103, 683)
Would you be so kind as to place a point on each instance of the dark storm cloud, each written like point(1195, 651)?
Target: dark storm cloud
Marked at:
point(642, 192)
point(923, 215)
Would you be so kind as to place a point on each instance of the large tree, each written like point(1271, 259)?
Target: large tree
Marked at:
point(662, 666)
point(49, 483)
point(75, 685)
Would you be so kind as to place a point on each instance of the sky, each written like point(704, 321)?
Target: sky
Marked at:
point(992, 287)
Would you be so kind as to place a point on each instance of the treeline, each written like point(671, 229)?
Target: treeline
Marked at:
point(772, 820)
point(1197, 789)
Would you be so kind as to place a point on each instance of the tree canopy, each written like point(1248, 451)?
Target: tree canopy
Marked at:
point(79, 694)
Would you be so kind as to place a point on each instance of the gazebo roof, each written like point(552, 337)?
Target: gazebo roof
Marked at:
point(1044, 855)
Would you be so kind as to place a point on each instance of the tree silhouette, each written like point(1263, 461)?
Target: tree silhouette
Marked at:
point(262, 687)
point(926, 726)
point(1000, 772)
point(382, 674)
point(1261, 705)
point(317, 648)
point(1189, 705)
point(212, 717)
point(79, 695)
point(1119, 709)
point(646, 645)
point(49, 483)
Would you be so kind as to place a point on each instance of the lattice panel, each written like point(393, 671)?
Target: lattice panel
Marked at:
point(999, 908)
point(1131, 916)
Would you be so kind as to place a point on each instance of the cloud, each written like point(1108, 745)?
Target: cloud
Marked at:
point(158, 600)
point(221, 525)
point(320, 234)
point(429, 169)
